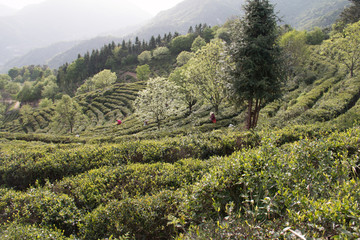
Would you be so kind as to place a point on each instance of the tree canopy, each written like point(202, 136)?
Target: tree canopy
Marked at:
point(68, 113)
point(256, 76)
point(205, 72)
point(158, 101)
point(346, 47)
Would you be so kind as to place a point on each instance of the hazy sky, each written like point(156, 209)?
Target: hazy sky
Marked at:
point(152, 6)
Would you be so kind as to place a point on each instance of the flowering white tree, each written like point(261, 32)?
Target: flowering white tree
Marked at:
point(205, 71)
point(160, 100)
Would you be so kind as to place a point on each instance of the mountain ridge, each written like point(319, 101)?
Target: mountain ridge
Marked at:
point(299, 14)
point(64, 20)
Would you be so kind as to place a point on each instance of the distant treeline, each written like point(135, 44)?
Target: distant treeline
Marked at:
point(117, 56)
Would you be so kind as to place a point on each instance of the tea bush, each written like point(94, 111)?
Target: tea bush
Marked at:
point(39, 206)
point(99, 186)
point(22, 168)
point(15, 231)
point(290, 185)
point(144, 217)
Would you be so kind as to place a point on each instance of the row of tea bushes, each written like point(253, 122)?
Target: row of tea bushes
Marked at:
point(305, 186)
point(310, 186)
point(39, 206)
point(20, 168)
point(100, 186)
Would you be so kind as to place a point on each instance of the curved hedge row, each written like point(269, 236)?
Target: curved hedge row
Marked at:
point(310, 185)
point(21, 168)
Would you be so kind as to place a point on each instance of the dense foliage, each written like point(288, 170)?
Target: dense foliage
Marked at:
point(256, 75)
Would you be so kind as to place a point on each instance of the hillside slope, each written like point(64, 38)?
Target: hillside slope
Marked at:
point(325, 94)
point(297, 13)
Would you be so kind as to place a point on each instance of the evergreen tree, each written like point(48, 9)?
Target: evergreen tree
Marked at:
point(191, 30)
point(123, 45)
point(152, 43)
point(158, 40)
point(256, 75)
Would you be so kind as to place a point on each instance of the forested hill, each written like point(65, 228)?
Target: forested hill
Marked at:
point(299, 14)
point(318, 89)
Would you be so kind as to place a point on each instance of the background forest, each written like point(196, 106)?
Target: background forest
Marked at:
point(281, 161)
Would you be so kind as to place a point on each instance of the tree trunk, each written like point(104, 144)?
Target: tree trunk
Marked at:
point(257, 112)
point(253, 113)
point(158, 123)
point(216, 108)
point(250, 103)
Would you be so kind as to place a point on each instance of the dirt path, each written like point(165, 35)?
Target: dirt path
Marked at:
point(123, 76)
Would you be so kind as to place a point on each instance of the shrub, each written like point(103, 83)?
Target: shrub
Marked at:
point(161, 53)
point(39, 206)
point(16, 231)
point(99, 186)
point(144, 217)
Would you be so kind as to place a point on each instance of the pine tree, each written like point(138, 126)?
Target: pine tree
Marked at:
point(256, 75)
point(191, 30)
point(152, 44)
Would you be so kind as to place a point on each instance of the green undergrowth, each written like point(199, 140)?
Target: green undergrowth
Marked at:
point(21, 166)
point(300, 180)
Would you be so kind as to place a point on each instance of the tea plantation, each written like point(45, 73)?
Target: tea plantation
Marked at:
point(295, 176)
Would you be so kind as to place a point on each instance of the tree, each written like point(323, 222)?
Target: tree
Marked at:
point(104, 79)
point(75, 74)
point(26, 94)
point(158, 101)
point(188, 91)
point(100, 80)
point(198, 43)
point(12, 88)
point(161, 53)
point(50, 90)
point(256, 75)
point(223, 34)
point(183, 58)
point(45, 103)
point(346, 47)
point(143, 72)
point(208, 34)
point(14, 72)
point(295, 51)
point(181, 43)
point(205, 72)
point(26, 117)
point(144, 57)
point(316, 36)
point(2, 114)
point(67, 113)
point(4, 79)
point(349, 15)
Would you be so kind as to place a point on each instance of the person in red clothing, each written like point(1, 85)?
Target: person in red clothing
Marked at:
point(118, 122)
point(212, 117)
